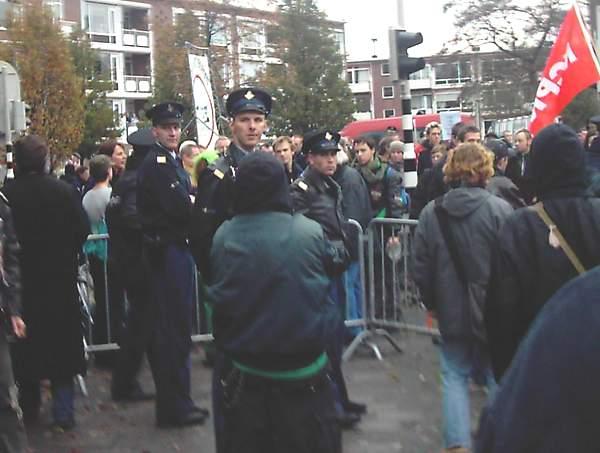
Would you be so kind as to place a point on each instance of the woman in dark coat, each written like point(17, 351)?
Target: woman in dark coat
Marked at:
point(51, 227)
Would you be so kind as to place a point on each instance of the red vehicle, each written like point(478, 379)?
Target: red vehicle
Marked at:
point(377, 127)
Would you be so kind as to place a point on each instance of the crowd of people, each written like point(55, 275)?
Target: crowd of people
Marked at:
point(264, 226)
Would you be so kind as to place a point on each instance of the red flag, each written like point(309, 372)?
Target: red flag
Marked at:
point(571, 67)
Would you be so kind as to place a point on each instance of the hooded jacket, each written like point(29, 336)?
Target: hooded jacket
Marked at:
point(269, 283)
point(548, 399)
point(527, 268)
point(475, 216)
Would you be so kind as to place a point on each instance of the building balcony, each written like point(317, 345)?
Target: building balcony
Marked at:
point(360, 87)
point(136, 38)
point(452, 82)
point(138, 84)
point(420, 84)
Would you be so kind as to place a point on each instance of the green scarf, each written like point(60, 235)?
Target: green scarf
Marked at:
point(373, 172)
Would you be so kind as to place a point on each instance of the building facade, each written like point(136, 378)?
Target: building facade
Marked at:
point(122, 32)
point(482, 83)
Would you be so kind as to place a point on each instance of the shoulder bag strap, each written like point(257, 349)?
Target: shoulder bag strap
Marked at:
point(444, 222)
point(564, 245)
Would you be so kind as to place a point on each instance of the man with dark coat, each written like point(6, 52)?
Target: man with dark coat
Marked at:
point(316, 195)
point(272, 320)
point(356, 205)
point(164, 207)
point(529, 264)
point(500, 185)
point(548, 400)
point(51, 228)
point(248, 109)
point(518, 165)
point(125, 254)
point(12, 430)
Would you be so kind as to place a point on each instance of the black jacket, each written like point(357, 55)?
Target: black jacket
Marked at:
point(356, 202)
point(51, 227)
point(527, 268)
point(503, 187)
point(548, 399)
point(517, 171)
point(430, 186)
point(163, 198)
point(319, 198)
point(213, 204)
point(475, 217)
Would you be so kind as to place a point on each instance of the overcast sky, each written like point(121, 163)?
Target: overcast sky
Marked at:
point(367, 19)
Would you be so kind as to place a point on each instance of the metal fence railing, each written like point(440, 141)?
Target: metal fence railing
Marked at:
point(381, 296)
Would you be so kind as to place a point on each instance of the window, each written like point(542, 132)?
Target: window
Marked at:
point(389, 112)
point(387, 92)
point(249, 70)
point(217, 29)
point(56, 7)
point(357, 75)
point(421, 101)
point(100, 23)
point(385, 69)
point(252, 38)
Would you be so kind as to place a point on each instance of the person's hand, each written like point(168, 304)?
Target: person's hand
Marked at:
point(18, 326)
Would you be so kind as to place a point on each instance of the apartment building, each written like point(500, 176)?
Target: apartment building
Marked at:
point(122, 32)
point(470, 82)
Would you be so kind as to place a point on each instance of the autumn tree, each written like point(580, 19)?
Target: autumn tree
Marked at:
point(49, 83)
point(522, 32)
point(99, 121)
point(308, 89)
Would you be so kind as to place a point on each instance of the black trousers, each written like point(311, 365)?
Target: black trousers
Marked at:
point(12, 431)
point(137, 335)
point(266, 416)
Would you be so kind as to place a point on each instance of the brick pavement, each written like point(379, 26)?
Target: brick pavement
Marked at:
point(402, 393)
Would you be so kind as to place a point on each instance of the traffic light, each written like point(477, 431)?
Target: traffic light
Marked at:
point(401, 65)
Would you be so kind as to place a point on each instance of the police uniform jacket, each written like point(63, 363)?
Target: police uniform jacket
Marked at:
point(319, 198)
point(214, 204)
point(163, 200)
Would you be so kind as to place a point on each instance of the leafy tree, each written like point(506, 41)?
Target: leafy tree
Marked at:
point(99, 119)
point(585, 105)
point(49, 83)
point(521, 31)
point(172, 74)
point(308, 89)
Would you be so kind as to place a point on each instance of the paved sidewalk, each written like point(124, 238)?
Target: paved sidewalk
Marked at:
point(402, 393)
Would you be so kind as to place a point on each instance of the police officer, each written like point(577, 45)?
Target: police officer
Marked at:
point(248, 109)
point(164, 208)
point(12, 430)
point(316, 195)
point(125, 253)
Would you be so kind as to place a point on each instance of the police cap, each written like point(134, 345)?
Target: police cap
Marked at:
point(142, 137)
point(320, 142)
point(248, 99)
point(166, 113)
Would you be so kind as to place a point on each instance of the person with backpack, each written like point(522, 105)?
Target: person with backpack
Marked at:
point(451, 266)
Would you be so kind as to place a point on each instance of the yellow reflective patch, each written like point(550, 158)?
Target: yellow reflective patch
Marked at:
point(218, 173)
point(161, 159)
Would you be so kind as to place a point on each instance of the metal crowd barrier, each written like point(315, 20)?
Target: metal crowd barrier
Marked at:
point(392, 298)
point(387, 299)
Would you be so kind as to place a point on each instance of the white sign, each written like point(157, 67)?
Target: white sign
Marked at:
point(204, 105)
point(447, 120)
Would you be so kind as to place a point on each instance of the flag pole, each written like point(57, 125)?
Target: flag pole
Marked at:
point(588, 38)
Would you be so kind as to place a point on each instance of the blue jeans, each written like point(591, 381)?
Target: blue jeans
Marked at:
point(352, 286)
point(457, 359)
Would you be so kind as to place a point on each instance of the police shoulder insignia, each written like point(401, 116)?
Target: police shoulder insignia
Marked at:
point(218, 173)
point(303, 185)
point(161, 159)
